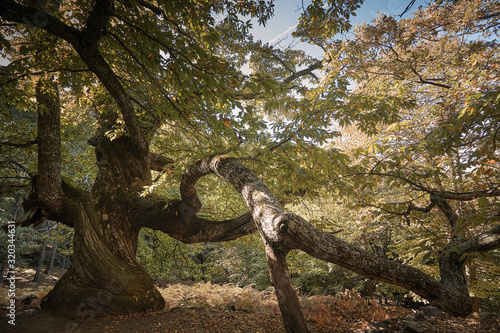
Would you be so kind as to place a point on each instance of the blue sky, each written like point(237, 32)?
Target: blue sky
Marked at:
point(287, 12)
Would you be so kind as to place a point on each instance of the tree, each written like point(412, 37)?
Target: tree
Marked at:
point(441, 155)
point(167, 99)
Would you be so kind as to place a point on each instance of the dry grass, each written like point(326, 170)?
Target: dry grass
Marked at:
point(208, 295)
point(194, 307)
point(349, 308)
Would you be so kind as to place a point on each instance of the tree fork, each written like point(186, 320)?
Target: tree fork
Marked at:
point(282, 231)
point(267, 214)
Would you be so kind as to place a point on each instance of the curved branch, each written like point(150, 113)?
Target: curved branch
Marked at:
point(180, 222)
point(35, 212)
point(284, 231)
point(12, 11)
point(160, 163)
point(85, 43)
point(448, 195)
point(446, 209)
point(180, 219)
point(487, 241)
point(306, 71)
point(468, 196)
point(19, 144)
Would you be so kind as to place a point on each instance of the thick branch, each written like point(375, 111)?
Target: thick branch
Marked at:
point(85, 43)
point(178, 220)
point(160, 163)
point(287, 231)
point(10, 10)
point(447, 210)
point(73, 201)
point(329, 248)
point(87, 48)
point(306, 71)
point(487, 241)
point(468, 196)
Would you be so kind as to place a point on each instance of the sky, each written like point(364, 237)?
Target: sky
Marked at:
point(287, 12)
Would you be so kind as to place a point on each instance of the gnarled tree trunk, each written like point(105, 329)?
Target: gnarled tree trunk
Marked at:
point(282, 231)
point(105, 277)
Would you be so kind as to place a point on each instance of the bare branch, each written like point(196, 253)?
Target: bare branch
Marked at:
point(160, 163)
point(306, 71)
point(19, 144)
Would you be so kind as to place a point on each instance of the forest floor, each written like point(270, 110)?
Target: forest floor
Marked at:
point(205, 307)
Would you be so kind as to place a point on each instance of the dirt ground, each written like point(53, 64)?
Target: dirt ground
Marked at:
point(30, 319)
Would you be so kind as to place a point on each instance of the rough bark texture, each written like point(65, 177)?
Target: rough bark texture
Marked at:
point(105, 277)
point(282, 231)
point(48, 181)
point(288, 300)
point(487, 241)
point(451, 268)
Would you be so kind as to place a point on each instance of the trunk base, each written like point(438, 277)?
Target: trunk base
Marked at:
point(121, 292)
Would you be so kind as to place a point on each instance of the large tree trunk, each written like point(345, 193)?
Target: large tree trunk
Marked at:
point(105, 277)
point(282, 231)
point(451, 267)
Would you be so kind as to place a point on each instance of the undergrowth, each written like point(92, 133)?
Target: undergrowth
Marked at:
point(348, 307)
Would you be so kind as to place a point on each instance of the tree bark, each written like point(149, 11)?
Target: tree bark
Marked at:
point(49, 145)
point(282, 231)
point(105, 277)
point(288, 300)
point(451, 267)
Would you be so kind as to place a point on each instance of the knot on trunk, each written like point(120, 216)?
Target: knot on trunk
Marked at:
point(282, 226)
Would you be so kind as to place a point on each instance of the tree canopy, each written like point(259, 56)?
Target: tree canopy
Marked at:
point(397, 125)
